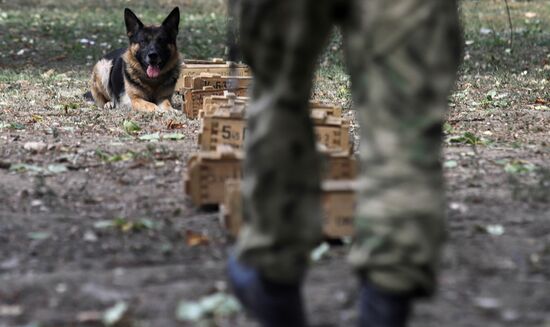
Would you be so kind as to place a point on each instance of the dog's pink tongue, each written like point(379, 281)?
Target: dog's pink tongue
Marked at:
point(153, 71)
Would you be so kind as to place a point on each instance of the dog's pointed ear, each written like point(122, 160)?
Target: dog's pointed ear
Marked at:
point(172, 22)
point(133, 24)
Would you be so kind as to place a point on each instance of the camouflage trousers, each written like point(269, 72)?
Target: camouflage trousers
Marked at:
point(402, 56)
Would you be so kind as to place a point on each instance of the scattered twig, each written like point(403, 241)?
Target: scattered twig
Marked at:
point(510, 24)
point(465, 120)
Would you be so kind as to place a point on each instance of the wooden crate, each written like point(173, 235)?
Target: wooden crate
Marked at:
point(208, 170)
point(332, 132)
point(339, 165)
point(231, 208)
point(227, 98)
point(330, 109)
point(228, 127)
point(194, 99)
point(338, 200)
point(213, 61)
point(222, 109)
point(216, 81)
point(226, 101)
point(223, 128)
point(207, 173)
point(216, 66)
point(213, 103)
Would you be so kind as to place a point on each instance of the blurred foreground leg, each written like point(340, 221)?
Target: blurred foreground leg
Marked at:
point(403, 56)
point(280, 40)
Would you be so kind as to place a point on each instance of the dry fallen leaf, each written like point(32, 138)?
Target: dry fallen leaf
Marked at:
point(173, 124)
point(36, 119)
point(195, 239)
point(58, 58)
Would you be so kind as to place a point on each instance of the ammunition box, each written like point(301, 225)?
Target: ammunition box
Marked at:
point(223, 128)
point(332, 132)
point(338, 201)
point(198, 67)
point(228, 127)
point(194, 99)
point(207, 173)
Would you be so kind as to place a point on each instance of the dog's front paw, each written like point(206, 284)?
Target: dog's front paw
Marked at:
point(166, 106)
point(145, 107)
point(109, 105)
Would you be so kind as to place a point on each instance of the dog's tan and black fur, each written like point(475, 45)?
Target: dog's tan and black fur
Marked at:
point(143, 75)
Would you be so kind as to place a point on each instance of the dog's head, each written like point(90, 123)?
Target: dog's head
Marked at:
point(152, 46)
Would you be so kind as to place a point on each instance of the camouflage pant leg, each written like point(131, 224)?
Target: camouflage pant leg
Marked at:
point(403, 57)
point(280, 40)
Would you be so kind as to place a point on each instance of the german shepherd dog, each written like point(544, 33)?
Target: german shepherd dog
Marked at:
point(143, 75)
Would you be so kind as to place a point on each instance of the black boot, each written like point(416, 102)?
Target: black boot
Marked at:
point(379, 308)
point(273, 304)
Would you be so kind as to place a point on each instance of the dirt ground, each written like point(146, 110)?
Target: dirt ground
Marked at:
point(91, 215)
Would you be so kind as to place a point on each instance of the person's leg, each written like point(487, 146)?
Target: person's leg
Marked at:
point(403, 57)
point(280, 40)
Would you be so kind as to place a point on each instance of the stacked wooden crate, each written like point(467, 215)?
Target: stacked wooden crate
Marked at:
point(202, 79)
point(213, 174)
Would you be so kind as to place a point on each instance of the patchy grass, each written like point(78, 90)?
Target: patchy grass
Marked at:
point(492, 48)
point(66, 38)
point(501, 83)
